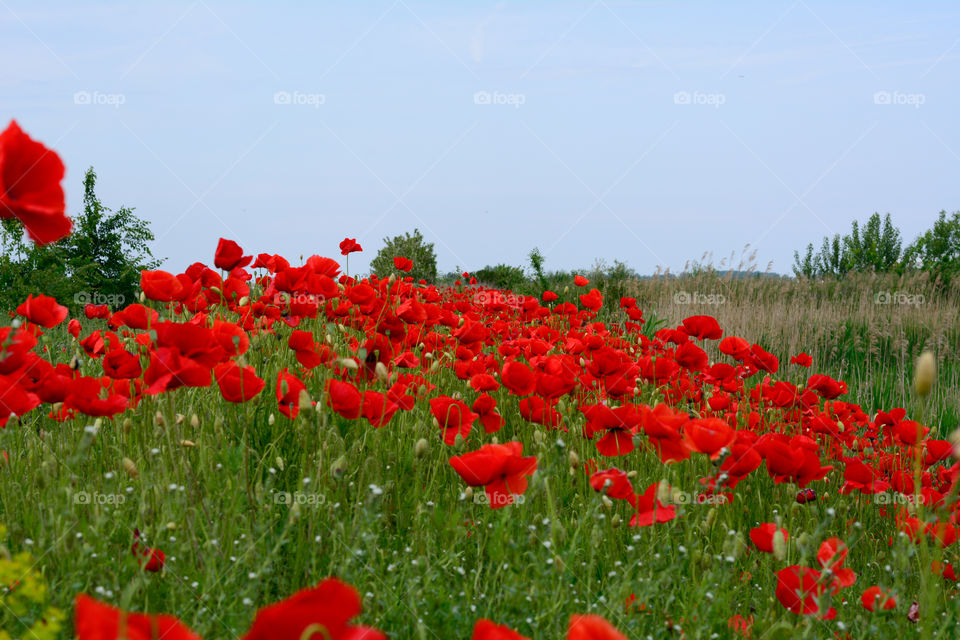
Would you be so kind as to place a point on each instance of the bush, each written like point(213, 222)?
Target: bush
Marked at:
point(407, 246)
point(501, 276)
point(99, 262)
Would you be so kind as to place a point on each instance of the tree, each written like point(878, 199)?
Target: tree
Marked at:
point(407, 246)
point(501, 276)
point(99, 262)
point(938, 249)
point(876, 247)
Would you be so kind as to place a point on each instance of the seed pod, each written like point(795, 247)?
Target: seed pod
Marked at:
point(779, 545)
point(304, 400)
point(925, 373)
point(421, 448)
point(130, 468)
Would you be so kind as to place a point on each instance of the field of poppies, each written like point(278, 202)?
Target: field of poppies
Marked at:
point(262, 449)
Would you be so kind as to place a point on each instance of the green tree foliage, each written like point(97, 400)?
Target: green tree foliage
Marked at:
point(99, 262)
point(877, 246)
point(501, 276)
point(407, 246)
point(937, 250)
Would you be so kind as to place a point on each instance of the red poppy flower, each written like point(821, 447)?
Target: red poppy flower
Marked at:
point(403, 264)
point(802, 359)
point(798, 589)
point(488, 630)
point(93, 311)
point(592, 627)
point(42, 310)
point(237, 384)
point(453, 416)
point(289, 387)
point(323, 611)
point(549, 296)
point(349, 245)
point(378, 408)
point(151, 560)
point(229, 256)
point(518, 378)
point(161, 286)
point(762, 536)
point(709, 435)
point(592, 300)
point(500, 468)
point(703, 327)
point(580, 281)
point(344, 398)
point(650, 510)
point(874, 598)
point(94, 620)
point(120, 364)
point(30, 190)
point(690, 356)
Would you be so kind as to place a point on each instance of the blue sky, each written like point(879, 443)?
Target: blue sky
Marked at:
point(649, 132)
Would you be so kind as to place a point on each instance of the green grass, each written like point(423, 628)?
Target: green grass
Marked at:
point(426, 560)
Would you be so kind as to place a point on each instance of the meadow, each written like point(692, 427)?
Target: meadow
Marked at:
point(686, 484)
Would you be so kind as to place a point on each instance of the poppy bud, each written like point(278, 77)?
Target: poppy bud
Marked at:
point(779, 545)
point(802, 540)
point(664, 494)
point(925, 373)
point(74, 363)
point(130, 468)
point(279, 463)
point(574, 459)
point(127, 425)
point(381, 372)
point(615, 520)
point(271, 420)
point(349, 364)
point(468, 494)
point(338, 467)
point(421, 448)
point(187, 443)
point(632, 473)
point(243, 301)
point(194, 421)
point(955, 441)
point(304, 400)
point(143, 297)
point(607, 502)
point(158, 420)
point(181, 418)
point(538, 437)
